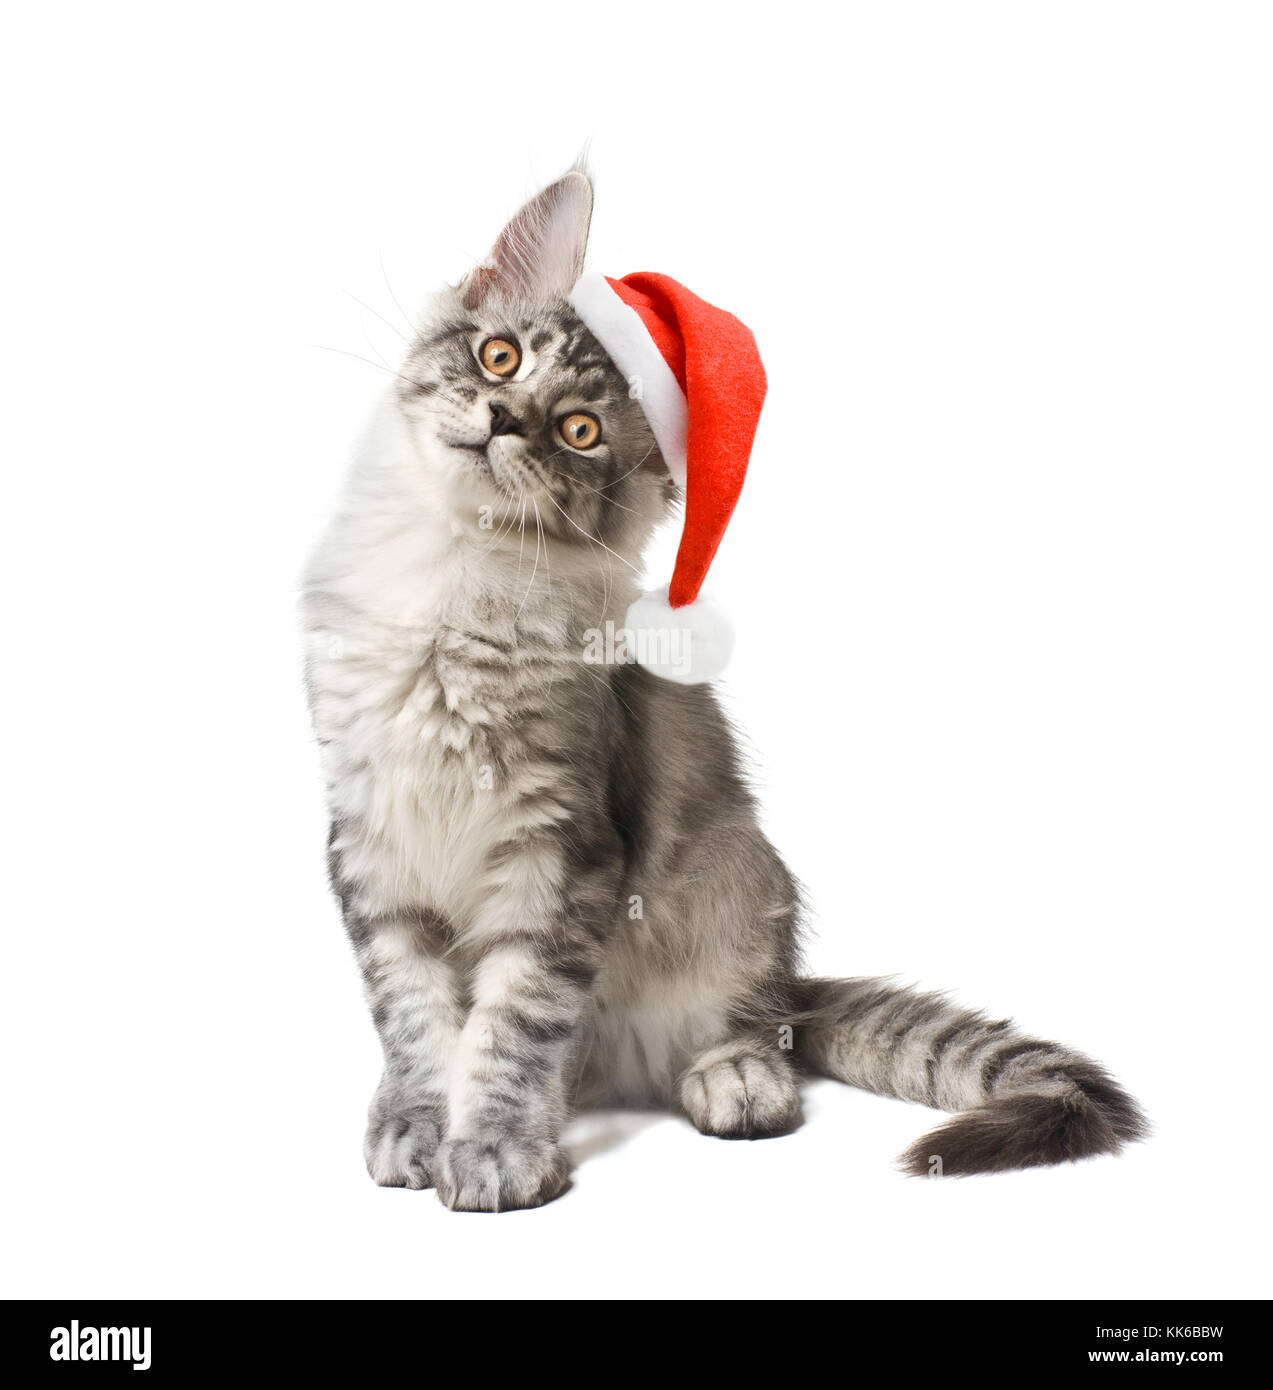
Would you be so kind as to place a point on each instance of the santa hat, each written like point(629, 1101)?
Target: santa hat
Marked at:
point(701, 384)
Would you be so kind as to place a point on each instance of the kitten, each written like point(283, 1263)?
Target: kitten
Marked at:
point(499, 803)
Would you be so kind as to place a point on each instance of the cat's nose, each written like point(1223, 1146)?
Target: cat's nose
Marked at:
point(503, 421)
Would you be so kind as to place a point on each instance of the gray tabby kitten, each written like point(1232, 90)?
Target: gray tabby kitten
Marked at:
point(497, 801)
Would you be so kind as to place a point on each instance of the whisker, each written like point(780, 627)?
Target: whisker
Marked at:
point(393, 326)
point(595, 539)
point(548, 570)
point(610, 500)
point(634, 467)
point(380, 366)
point(510, 503)
point(406, 318)
point(534, 571)
point(426, 388)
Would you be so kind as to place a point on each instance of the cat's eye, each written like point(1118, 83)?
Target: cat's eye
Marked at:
point(580, 431)
point(500, 357)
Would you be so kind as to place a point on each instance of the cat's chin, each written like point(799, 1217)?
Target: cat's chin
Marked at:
point(473, 460)
point(473, 496)
point(492, 474)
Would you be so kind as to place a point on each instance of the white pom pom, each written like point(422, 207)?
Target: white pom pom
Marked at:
point(689, 645)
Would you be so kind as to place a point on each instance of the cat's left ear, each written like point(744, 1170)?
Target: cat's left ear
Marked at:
point(540, 254)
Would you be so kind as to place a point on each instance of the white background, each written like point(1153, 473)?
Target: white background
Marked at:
point(1001, 575)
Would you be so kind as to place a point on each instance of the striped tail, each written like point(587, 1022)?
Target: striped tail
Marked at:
point(1017, 1102)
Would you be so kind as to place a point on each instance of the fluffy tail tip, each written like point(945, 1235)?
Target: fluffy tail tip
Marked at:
point(1029, 1130)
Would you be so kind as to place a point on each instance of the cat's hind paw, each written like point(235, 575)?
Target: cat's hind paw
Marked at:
point(738, 1092)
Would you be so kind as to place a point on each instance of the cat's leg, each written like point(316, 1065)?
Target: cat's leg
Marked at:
point(415, 1001)
point(742, 1089)
point(536, 949)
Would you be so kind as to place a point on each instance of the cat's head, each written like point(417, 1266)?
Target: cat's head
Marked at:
point(517, 410)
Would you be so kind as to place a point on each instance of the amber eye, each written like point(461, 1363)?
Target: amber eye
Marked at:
point(580, 431)
point(500, 357)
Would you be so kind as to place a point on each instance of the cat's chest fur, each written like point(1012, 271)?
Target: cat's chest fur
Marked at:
point(423, 699)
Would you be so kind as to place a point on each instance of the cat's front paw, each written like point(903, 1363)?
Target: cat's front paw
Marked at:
point(400, 1146)
point(499, 1172)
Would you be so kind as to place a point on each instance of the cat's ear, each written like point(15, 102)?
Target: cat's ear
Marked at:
point(539, 255)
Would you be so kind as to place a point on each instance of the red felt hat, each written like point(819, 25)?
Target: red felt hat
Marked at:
point(701, 385)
